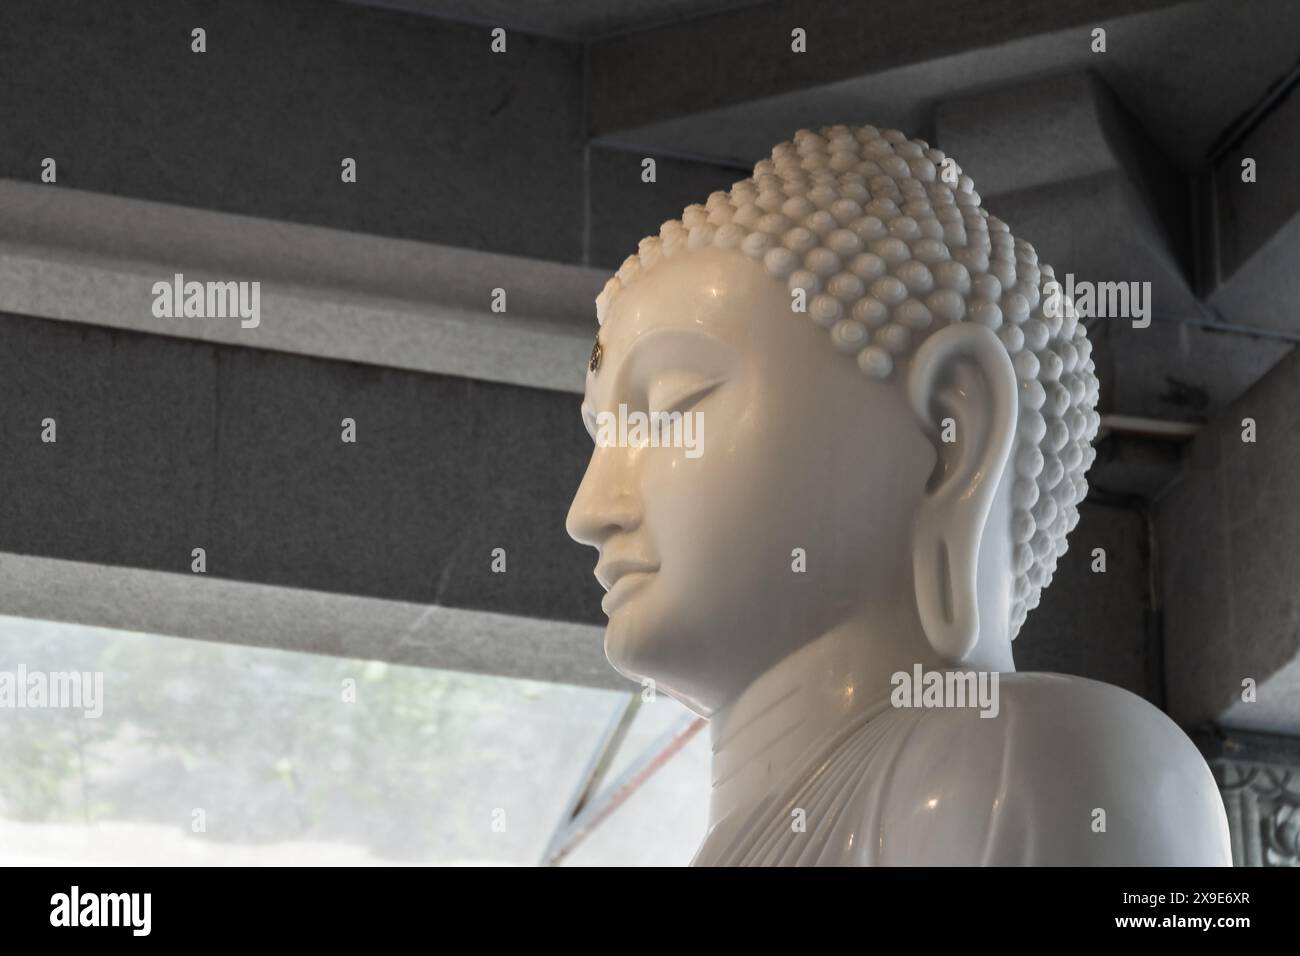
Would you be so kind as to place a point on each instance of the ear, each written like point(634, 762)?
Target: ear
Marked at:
point(962, 373)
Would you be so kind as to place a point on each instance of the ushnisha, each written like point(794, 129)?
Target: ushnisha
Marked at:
point(887, 238)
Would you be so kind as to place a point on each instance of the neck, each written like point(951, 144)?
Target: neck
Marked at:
point(760, 737)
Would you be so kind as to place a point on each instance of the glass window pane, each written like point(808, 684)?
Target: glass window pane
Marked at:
point(219, 753)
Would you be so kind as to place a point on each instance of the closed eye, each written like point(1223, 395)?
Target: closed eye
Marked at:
point(682, 400)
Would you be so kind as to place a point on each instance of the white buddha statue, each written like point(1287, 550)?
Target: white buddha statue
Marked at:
point(898, 426)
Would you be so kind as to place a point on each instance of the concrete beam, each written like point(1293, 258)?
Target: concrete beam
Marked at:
point(1099, 199)
point(1179, 371)
point(209, 608)
point(728, 86)
point(92, 258)
point(566, 19)
point(1066, 126)
point(1063, 162)
point(708, 63)
point(1255, 226)
point(1231, 575)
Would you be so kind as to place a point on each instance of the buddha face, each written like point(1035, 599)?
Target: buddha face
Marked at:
point(791, 515)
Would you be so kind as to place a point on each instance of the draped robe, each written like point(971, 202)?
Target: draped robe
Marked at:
point(916, 787)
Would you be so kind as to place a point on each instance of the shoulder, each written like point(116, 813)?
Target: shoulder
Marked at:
point(1114, 760)
point(1070, 771)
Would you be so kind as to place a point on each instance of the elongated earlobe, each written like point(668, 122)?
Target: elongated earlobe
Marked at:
point(962, 388)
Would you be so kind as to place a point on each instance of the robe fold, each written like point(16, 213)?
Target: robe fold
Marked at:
point(1070, 772)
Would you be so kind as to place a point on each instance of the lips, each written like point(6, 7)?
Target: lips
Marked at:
point(620, 579)
point(609, 572)
point(623, 589)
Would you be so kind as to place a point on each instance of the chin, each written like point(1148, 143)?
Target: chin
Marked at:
point(637, 643)
point(627, 643)
point(641, 648)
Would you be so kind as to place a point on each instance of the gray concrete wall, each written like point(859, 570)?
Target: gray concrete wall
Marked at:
point(165, 445)
point(1100, 625)
point(454, 144)
point(1231, 569)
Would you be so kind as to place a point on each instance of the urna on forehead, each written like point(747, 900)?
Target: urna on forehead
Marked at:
point(881, 240)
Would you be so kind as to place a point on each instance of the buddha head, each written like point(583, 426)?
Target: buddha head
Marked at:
point(894, 409)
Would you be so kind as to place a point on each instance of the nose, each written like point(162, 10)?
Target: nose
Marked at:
point(604, 504)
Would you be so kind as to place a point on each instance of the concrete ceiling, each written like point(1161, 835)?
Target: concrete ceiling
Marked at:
point(565, 19)
point(1187, 71)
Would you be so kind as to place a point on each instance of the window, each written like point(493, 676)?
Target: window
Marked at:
point(212, 753)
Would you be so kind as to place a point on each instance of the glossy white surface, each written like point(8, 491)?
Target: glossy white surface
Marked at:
point(912, 496)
